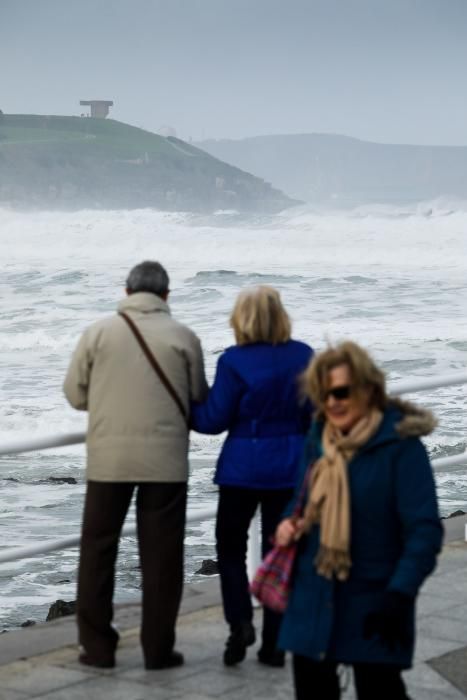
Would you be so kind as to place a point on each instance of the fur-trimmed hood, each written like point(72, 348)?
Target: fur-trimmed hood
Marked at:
point(415, 421)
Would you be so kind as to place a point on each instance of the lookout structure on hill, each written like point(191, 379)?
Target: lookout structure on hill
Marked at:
point(99, 108)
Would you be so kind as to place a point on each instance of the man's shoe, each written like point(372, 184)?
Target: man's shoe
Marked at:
point(241, 637)
point(274, 658)
point(174, 659)
point(87, 660)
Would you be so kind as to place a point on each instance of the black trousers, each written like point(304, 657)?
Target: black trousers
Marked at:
point(318, 680)
point(160, 511)
point(235, 512)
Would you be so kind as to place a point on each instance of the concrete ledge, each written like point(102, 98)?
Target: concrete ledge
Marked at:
point(454, 528)
point(49, 636)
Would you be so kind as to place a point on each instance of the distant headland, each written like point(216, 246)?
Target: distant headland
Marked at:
point(84, 162)
point(339, 170)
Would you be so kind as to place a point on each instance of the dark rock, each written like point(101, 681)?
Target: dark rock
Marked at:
point(65, 580)
point(209, 567)
point(455, 514)
point(28, 623)
point(61, 608)
point(11, 478)
point(61, 480)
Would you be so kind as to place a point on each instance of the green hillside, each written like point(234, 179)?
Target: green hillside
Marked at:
point(72, 162)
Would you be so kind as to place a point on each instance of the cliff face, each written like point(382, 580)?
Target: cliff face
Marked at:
point(320, 168)
point(73, 162)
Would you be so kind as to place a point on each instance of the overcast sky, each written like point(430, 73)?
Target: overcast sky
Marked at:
point(385, 70)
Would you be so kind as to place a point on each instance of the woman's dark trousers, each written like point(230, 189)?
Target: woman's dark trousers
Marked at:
point(236, 509)
point(318, 680)
point(160, 512)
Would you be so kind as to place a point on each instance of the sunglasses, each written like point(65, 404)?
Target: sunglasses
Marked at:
point(340, 393)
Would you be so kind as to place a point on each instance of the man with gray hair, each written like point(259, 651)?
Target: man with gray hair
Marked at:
point(135, 373)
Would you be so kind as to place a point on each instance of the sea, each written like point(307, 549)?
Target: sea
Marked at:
point(393, 278)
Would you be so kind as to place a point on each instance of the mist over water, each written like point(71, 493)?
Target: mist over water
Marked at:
point(392, 279)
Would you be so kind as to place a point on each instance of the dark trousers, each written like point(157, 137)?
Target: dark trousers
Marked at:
point(318, 680)
point(236, 509)
point(160, 512)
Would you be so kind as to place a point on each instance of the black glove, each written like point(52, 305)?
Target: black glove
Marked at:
point(391, 621)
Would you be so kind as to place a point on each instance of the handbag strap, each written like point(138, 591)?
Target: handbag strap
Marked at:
point(155, 365)
point(299, 507)
point(300, 502)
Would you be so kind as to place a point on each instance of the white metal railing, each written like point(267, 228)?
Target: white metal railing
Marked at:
point(74, 540)
point(43, 443)
point(407, 386)
point(397, 388)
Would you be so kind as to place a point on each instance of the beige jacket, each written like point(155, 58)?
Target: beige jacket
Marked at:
point(136, 431)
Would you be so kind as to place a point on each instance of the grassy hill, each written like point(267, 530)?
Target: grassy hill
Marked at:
point(73, 162)
point(339, 169)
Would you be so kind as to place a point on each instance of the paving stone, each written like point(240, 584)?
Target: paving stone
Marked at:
point(427, 694)
point(197, 696)
point(442, 628)
point(452, 555)
point(106, 688)
point(125, 660)
point(429, 604)
point(454, 588)
point(447, 566)
point(211, 682)
point(250, 668)
point(170, 675)
point(431, 647)
point(261, 691)
point(453, 666)
point(422, 677)
point(129, 655)
point(12, 695)
point(456, 612)
point(32, 680)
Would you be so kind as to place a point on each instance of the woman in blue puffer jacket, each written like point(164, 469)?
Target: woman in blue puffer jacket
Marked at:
point(256, 398)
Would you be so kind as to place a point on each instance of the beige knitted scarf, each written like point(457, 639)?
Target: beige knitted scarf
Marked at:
point(329, 499)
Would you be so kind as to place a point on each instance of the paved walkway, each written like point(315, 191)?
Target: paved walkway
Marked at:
point(40, 662)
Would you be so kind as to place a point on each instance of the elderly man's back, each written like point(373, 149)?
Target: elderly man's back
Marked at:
point(137, 440)
point(136, 430)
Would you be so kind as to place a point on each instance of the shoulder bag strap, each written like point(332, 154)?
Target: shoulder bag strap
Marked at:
point(300, 503)
point(155, 365)
point(301, 500)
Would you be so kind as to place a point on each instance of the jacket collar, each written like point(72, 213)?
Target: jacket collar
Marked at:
point(144, 302)
point(401, 419)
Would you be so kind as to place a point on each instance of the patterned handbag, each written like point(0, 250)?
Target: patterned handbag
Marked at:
point(273, 580)
point(271, 583)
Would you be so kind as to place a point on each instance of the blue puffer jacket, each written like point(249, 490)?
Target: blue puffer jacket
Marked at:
point(395, 537)
point(256, 397)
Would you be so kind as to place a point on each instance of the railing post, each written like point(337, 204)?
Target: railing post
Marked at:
point(253, 559)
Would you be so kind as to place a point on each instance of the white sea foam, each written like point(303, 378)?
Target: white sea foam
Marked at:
point(391, 278)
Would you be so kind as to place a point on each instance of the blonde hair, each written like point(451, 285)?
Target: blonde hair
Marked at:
point(365, 375)
point(259, 317)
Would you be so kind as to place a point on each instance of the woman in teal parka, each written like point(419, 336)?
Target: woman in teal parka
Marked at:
point(369, 534)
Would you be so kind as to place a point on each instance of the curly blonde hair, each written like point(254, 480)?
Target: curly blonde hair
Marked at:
point(365, 375)
point(259, 317)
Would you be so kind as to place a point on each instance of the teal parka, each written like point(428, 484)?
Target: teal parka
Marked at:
point(395, 536)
